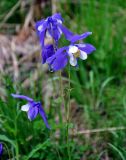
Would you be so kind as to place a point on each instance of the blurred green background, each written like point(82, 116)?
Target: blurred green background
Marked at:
point(98, 96)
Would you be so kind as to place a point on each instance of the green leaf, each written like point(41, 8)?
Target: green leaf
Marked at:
point(117, 150)
point(6, 139)
point(37, 148)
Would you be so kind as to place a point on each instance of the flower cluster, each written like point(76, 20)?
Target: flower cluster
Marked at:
point(57, 58)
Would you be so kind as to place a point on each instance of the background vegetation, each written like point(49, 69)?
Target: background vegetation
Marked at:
point(98, 88)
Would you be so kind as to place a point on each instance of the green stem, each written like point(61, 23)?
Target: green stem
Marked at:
point(68, 115)
point(62, 101)
point(61, 88)
point(17, 147)
point(17, 151)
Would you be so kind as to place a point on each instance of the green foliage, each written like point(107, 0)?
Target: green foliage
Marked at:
point(5, 7)
point(100, 82)
point(98, 87)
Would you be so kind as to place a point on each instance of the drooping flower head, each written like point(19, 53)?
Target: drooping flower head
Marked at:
point(71, 53)
point(32, 108)
point(1, 149)
point(52, 26)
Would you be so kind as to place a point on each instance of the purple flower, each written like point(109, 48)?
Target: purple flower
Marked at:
point(1, 149)
point(32, 108)
point(52, 27)
point(47, 52)
point(71, 53)
point(59, 60)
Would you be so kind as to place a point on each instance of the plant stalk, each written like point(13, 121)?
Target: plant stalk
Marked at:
point(68, 115)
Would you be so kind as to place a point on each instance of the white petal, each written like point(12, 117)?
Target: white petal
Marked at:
point(70, 54)
point(73, 61)
point(83, 55)
point(40, 28)
point(60, 30)
point(25, 107)
point(59, 21)
point(72, 49)
point(48, 34)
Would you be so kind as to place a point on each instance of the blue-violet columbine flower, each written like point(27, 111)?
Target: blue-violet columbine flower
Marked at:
point(47, 52)
point(72, 52)
point(52, 27)
point(1, 149)
point(32, 108)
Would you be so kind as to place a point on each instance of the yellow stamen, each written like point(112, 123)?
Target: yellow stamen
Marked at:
point(77, 54)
